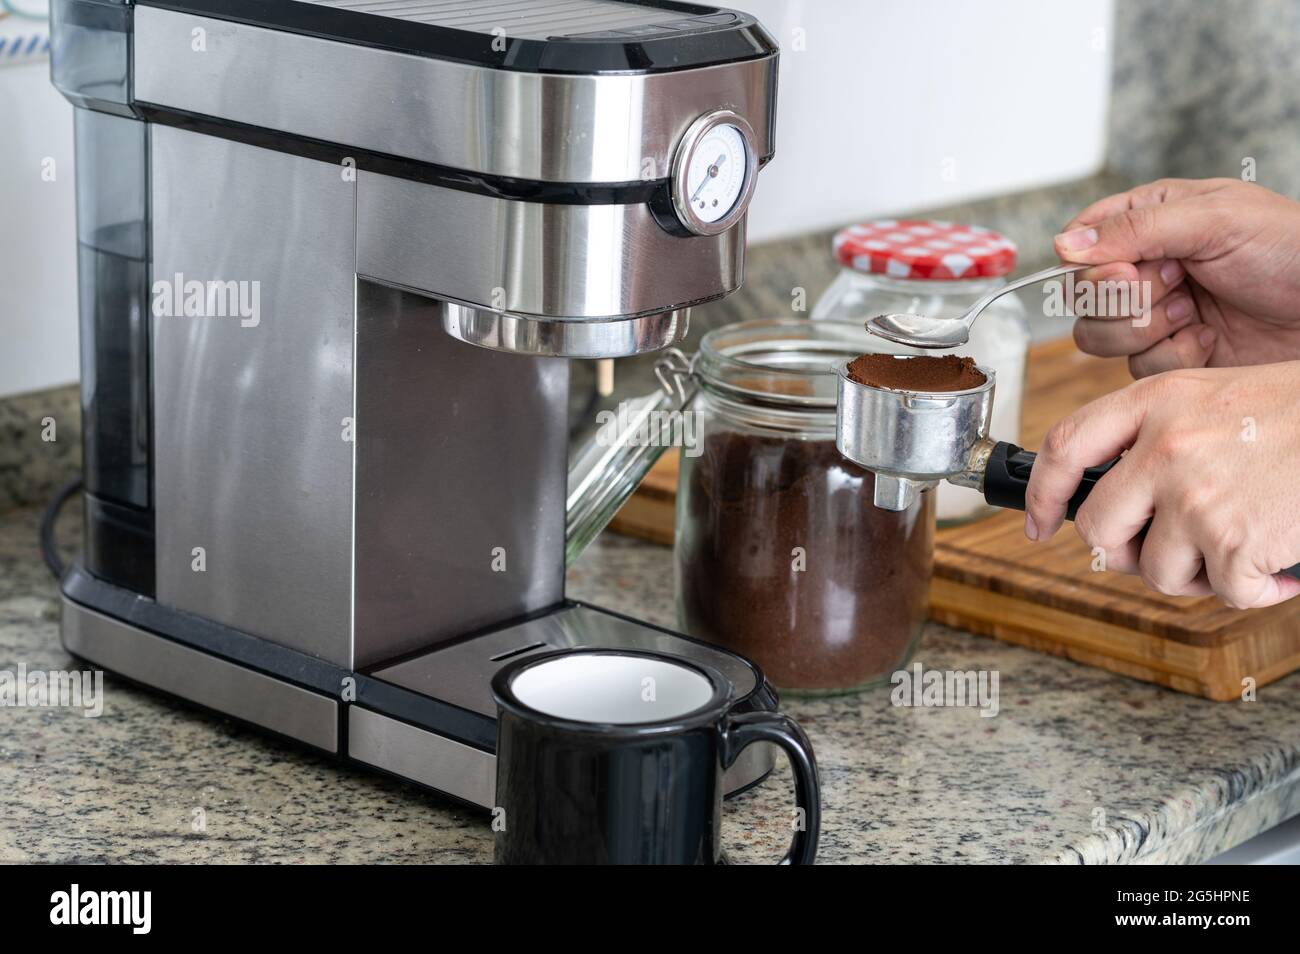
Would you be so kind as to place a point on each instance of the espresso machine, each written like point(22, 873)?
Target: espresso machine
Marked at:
point(334, 258)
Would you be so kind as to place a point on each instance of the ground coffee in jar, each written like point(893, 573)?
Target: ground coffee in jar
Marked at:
point(781, 554)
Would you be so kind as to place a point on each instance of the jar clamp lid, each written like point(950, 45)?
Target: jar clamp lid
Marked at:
point(928, 249)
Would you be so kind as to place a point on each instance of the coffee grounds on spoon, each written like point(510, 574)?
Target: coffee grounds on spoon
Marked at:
point(922, 373)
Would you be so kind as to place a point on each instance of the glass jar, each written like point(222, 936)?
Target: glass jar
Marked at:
point(780, 554)
point(934, 268)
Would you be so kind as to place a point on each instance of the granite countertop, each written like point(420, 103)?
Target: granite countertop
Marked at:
point(1078, 766)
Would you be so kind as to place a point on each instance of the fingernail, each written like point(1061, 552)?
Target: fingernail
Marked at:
point(1031, 528)
point(1170, 272)
point(1206, 338)
point(1076, 240)
point(1180, 309)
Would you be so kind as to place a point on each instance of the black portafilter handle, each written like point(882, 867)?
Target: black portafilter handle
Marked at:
point(1006, 475)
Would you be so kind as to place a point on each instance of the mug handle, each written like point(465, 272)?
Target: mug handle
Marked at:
point(740, 731)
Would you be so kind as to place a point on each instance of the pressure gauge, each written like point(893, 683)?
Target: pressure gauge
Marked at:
point(714, 172)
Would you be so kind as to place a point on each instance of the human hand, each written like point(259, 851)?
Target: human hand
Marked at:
point(1212, 462)
point(1223, 260)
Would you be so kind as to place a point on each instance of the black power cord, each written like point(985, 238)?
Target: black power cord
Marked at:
point(50, 549)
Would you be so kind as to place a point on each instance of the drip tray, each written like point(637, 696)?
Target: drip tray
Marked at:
point(429, 719)
point(462, 672)
point(460, 675)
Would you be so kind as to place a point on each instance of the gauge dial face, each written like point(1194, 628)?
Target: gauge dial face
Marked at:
point(715, 175)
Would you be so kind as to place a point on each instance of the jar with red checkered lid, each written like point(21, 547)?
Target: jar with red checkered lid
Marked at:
point(939, 269)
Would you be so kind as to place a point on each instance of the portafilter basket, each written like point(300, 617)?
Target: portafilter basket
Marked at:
point(911, 440)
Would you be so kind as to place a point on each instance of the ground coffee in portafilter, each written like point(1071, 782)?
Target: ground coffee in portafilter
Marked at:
point(783, 557)
point(921, 373)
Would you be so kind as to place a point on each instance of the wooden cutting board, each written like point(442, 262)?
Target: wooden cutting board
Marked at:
point(989, 579)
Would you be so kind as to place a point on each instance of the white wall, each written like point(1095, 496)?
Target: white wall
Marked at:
point(894, 105)
point(38, 243)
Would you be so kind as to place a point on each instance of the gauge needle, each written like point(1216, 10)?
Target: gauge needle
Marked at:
point(713, 172)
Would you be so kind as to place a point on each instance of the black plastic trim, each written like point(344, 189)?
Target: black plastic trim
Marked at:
point(232, 645)
point(115, 18)
point(740, 38)
point(279, 662)
point(119, 545)
point(501, 187)
point(1006, 477)
point(664, 213)
point(308, 672)
point(425, 712)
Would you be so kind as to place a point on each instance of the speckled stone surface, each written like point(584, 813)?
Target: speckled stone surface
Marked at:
point(1174, 778)
point(1200, 88)
point(40, 444)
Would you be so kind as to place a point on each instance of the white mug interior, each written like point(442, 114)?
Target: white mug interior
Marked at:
point(612, 688)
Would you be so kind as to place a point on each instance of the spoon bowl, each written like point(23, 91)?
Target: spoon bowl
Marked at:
point(918, 331)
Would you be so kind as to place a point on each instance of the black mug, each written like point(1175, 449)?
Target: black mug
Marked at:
point(610, 756)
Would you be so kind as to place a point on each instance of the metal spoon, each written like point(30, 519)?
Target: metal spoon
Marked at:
point(922, 332)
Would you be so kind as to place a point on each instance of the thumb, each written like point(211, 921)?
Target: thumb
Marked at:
point(1171, 230)
point(1092, 435)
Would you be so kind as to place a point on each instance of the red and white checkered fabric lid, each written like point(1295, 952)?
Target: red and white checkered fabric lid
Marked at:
point(923, 248)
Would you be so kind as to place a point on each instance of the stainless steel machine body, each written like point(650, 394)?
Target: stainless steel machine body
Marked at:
point(334, 255)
